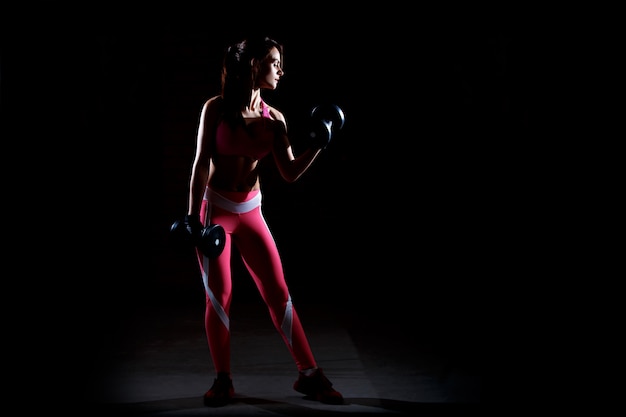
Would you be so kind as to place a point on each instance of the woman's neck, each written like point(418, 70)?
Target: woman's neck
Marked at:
point(255, 102)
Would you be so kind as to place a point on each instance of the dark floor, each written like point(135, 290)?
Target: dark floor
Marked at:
point(157, 364)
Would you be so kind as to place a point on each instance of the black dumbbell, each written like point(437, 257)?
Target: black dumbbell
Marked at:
point(326, 120)
point(210, 239)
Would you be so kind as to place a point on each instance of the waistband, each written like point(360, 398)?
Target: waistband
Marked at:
point(234, 207)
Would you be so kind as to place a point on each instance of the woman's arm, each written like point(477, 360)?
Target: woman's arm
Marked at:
point(202, 168)
point(290, 167)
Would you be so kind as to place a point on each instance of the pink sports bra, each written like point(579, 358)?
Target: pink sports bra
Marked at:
point(255, 140)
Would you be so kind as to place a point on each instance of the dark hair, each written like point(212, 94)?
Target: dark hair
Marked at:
point(239, 74)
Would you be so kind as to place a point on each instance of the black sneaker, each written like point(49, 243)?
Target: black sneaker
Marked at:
point(318, 387)
point(221, 392)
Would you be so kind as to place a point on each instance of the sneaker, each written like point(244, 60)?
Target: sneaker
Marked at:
point(221, 392)
point(319, 387)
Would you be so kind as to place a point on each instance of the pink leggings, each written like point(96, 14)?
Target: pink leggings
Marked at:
point(239, 213)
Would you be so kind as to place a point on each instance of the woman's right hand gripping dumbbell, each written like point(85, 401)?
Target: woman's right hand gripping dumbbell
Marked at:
point(189, 232)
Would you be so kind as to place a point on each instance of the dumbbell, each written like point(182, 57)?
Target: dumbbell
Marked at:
point(326, 120)
point(210, 240)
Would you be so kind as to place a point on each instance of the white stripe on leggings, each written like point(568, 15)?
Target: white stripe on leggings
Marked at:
point(216, 304)
point(288, 320)
point(222, 202)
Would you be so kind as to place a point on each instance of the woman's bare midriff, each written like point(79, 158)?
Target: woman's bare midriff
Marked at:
point(234, 173)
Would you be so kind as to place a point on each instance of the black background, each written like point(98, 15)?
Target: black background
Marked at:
point(404, 216)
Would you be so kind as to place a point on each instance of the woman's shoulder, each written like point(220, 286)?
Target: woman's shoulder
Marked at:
point(213, 102)
point(275, 113)
point(212, 106)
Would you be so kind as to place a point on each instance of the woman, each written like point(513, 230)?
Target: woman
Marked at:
point(236, 130)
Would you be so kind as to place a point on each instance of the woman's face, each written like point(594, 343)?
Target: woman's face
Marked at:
point(270, 71)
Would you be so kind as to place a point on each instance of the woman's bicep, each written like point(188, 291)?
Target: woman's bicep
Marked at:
point(283, 156)
point(282, 146)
